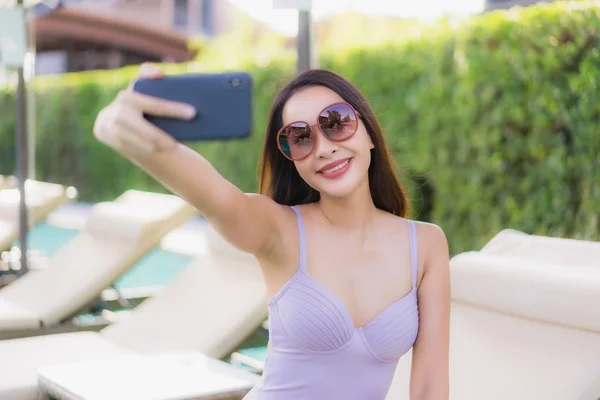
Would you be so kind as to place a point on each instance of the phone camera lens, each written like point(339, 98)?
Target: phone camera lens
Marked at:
point(235, 82)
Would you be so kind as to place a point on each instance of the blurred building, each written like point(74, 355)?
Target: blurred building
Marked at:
point(108, 34)
point(191, 17)
point(504, 4)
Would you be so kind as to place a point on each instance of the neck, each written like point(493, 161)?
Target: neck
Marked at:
point(351, 212)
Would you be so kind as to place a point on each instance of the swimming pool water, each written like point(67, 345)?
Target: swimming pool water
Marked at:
point(48, 239)
point(156, 268)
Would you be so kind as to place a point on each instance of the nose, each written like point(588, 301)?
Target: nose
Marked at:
point(324, 148)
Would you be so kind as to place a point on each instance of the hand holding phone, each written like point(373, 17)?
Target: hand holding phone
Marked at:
point(122, 126)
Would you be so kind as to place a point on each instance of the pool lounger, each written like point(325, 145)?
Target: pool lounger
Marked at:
point(41, 197)
point(554, 250)
point(114, 237)
point(520, 329)
point(172, 375)
point(6, 182)
point(210, 307)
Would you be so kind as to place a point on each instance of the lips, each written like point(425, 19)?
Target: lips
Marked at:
point(332, 165)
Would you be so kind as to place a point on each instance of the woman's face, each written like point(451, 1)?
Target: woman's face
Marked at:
point(333, 168)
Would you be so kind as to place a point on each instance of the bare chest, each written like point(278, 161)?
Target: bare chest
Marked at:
point(365, 278)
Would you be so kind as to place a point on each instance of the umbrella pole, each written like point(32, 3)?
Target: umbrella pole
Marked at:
point(21, 164)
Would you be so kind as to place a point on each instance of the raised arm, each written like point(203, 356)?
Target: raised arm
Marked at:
point(248, 221)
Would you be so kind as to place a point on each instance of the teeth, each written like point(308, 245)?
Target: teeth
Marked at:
point(342, 165)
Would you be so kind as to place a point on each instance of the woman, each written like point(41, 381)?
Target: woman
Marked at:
point(354, 283)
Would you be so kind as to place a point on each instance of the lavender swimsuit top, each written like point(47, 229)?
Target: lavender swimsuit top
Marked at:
point(317, 353)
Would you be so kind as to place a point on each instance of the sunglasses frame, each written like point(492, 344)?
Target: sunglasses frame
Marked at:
point(311, 127)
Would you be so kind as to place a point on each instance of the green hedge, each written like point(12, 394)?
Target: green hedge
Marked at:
point(493, 121)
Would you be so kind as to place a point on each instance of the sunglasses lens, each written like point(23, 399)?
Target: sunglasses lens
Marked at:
point(338, 122)
point(296, 141)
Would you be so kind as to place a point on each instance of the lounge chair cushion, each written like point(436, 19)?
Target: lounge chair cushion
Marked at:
point(211, 306)
point(41, 197)
point(20, 359)
point(17, 318)
point(122, 221)
point(560, 294)
point(89, 263)
point(552, 250)
point(495, 356)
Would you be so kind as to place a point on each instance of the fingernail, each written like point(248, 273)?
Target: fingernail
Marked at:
point(190, 112)
point(150, 69)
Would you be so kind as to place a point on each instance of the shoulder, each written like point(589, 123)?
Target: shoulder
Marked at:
point(431, 236)
point(431, 239)
point(432, 245)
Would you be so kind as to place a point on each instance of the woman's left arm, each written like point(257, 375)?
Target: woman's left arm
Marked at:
point(430, 359)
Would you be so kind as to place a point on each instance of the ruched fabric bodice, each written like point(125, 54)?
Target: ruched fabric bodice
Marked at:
point(316, 352)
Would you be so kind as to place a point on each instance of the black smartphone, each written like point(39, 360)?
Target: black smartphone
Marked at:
point(223, 103)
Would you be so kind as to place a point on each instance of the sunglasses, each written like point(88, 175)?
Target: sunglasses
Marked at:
point(338, 122)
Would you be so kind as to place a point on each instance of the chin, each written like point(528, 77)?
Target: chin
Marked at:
point(337, 193)
point(340, 187)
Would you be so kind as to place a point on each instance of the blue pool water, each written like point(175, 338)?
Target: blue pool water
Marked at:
point(257, 353)
point(158, 267)
point(48, 239)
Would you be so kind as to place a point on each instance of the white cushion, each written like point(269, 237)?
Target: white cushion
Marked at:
point(129, 220)
point(20, 359)
point(110, 219)
point(89, 263)
point(160, 200)
point(210, 307)
point(496, 356)
point(6, 181)
point(560, 294)
point(553, 250)
point(159, 376)
point(16, 318)
point(8, 232)
point(37, 195)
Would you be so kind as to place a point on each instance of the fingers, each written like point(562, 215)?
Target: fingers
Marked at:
point(133, 144)
point(111, 130)
point(122, 125)
point(147, 132)
point(126, 130)
point(150, 71)
point(156, 106)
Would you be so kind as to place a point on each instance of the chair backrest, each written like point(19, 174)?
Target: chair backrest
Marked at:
point(554, 250)
point(41, 198)
point(552, 293)
point(115, 236)
point(211, 306)
point(519, 330)
point(6, 181)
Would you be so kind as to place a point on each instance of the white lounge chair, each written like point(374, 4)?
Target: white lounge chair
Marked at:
point(511, 242)
point(115, 236)
point(41, 198)
point(5, 182)
point(520, 329)
point(211, 307)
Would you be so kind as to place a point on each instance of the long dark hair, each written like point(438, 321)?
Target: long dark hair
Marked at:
point(279, 178)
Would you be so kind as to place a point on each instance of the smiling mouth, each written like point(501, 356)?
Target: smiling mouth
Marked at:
point(336, 168)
